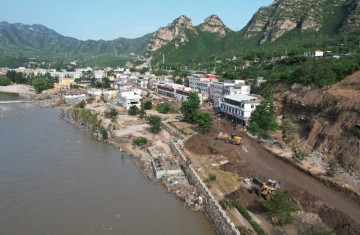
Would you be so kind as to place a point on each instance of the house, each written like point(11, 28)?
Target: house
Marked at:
point(129, 98)
point(239, 107)
point(228, 87)
point(316, 53)
point(74, 96)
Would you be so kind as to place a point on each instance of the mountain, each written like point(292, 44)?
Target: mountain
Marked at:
point(37, 39)
point(291, 26)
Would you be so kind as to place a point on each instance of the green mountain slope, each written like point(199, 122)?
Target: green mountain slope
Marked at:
point(20, 39)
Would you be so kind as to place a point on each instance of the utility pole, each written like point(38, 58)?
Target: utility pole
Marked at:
point(163, 59)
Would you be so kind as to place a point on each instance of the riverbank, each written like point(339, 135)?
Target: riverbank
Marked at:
point(21, 89)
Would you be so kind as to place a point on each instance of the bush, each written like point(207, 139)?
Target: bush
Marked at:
point(280, 207)
point(4, 81)
point(211, 177)
point(112, 113)
point(140, 141)
point(317, 229)
point(148, 105)
point(82, 104)
point(163, 108)
point(188, 161)
point(104, 134)
point(133, 110)
point(298, 154)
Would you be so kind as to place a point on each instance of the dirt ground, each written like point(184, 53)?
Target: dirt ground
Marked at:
point(250, 160)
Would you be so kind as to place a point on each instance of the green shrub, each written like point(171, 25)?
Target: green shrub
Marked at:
point(140, 141)
point(133, 110)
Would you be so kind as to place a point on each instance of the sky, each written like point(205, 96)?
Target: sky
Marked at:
point(111, 19)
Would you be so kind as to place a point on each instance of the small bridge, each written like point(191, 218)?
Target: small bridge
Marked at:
point(14, 101)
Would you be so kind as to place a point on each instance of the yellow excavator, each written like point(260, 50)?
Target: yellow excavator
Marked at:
point(267, 189)
point(232, 138)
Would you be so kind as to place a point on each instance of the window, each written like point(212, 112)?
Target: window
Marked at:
point(252, 106)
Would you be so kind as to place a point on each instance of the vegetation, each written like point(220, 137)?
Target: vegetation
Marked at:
point(112, 114)
point(230, 203)
point(190, 107)
point(263, 118)
point(133, 110)
point(299, 154)
point(41, 84)
point(288, 128)
point(164, 108)
point(211, 177)
point(140, 141)
point(216, 147)
point(188, 161)
point(280, 207)
point(331, 169)
point(104, 134)
point(4, 81)
point(82, 104)
point(148, 105)
point(142, 112)
point(317, 229)
point(203, 120)
point(155, 123)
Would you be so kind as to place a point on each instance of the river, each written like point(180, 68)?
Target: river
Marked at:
point(54, 179)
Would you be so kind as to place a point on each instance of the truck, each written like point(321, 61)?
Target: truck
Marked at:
point(232, 138)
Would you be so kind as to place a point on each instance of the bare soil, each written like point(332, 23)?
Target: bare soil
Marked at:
point(250, 159)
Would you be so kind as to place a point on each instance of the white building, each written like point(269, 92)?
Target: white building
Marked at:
point(229, 87)
point(74, 97)
point(239, 107)
point(201, 84)
point(99, 74)
point(129, 98)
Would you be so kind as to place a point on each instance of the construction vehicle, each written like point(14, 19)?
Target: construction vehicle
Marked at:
point(267, 189)
point(232, 138)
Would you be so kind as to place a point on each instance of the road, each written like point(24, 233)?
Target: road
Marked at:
point(264, 164)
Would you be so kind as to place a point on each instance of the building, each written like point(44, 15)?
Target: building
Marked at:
point(316, 53)
point(122, 86)
point(201, 84)
point(229, 87)
point(239, 107)
point(163, 165)
point(99, 74)
point(74, 96)
point(98, 93)
point(129, 98)
point(173, 90)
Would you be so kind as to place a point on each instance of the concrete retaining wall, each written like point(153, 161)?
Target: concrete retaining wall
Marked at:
point(173, 131)
point(212, 209)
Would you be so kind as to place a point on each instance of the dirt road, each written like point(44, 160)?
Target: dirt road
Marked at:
point(266, 165)
point(249, 160)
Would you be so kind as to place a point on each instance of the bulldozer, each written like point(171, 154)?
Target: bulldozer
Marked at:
point(232, 138)
point(267, 189)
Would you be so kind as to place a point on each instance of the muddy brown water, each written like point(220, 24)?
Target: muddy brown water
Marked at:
point(55, 180)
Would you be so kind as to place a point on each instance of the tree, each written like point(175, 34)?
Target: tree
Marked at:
point(155, 123)
point(106, 83)
point(142, 113)
point(148, 105)
point(280, 207)
point(4, 81)
point(11, 74)
point(263, 118)
point(41, 84)
point(133, 110)
point(203, 120)
point(190, 107)
point(82, 104)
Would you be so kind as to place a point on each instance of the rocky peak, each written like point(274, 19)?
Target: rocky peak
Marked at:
point(213, 24)
point(177, 30)
point(283, 16)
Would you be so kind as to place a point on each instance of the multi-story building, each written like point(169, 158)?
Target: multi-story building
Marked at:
point(229, 87)
point(129, 98)
point(179, 92)
point(239, 107)
point(201, 84)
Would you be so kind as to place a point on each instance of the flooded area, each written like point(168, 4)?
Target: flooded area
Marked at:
point(54, 179)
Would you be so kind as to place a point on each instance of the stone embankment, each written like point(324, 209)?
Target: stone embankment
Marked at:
point(212, 209)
